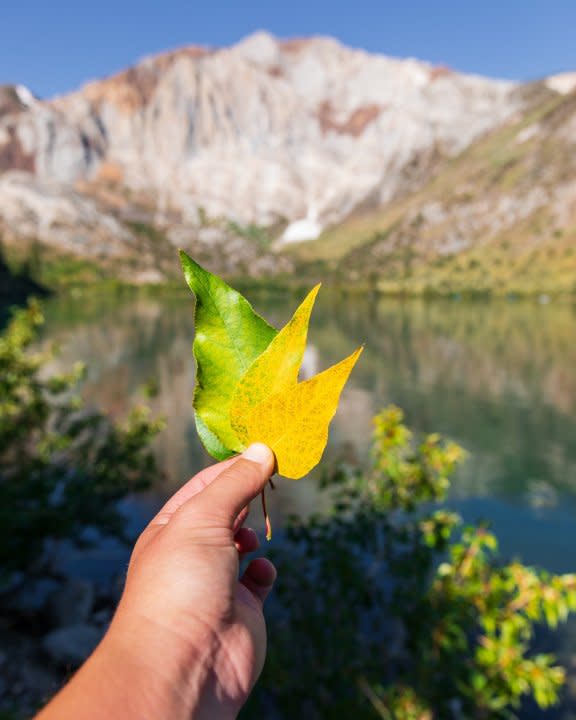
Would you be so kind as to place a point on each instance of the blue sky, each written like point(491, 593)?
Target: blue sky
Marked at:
point(53, 46)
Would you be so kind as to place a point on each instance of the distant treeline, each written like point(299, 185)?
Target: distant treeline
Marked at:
point(16, 285)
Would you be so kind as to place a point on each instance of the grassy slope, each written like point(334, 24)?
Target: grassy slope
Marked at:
point(393, 248)
point(59, 269)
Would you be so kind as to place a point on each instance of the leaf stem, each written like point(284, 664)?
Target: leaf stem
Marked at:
point(266, 516)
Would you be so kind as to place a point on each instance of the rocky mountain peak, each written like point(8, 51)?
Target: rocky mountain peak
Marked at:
point(563, 83)
point(15, 99)
point(134, 88)
point(267, 132)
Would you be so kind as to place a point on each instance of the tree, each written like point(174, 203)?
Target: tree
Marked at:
point(63, 466)
point(390, 608)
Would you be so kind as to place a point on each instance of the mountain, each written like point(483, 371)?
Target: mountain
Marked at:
point(222, 151)
point(500, 217)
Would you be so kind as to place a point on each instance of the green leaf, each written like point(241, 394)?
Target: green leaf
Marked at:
point(213, 446)
point(230, 335)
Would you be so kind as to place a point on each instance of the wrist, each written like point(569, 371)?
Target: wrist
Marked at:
point(169, 674)
point(144, 673)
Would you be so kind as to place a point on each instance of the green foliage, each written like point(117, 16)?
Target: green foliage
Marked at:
point(252, 232)
point(53, 268)
point(390, 608)
point(15, 284)
point(148, 231)
point(368, 249)
point(9, 715)
point(230, 335)
point(63, 467)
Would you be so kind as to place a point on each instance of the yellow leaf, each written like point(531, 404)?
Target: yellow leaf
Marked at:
point(278, 366)
point(293, 421)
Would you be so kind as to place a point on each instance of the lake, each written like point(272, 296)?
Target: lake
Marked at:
point(498, 377)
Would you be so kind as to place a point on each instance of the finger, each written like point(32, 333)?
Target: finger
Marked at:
point(234, 488)
point(259, 578)
point(241, 518)
point(246, 541)
point(192, 487)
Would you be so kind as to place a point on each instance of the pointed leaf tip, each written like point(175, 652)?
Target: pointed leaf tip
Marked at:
point(229, 337)
point(247, 378)
point(278, 366)
point(294, 422)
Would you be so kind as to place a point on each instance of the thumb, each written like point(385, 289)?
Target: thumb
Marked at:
point(236, 486)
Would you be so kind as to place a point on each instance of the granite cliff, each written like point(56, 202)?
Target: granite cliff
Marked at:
point(224, 151)
point(499, 218)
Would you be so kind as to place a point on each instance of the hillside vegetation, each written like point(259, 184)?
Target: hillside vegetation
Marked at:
point(499, 218)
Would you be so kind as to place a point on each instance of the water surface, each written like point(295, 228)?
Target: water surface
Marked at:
point(497, 377)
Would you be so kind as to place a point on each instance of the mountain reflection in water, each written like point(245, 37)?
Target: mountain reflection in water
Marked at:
point(498, 377)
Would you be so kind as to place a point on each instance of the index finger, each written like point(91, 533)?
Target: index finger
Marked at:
point(234, 487)
point(195, 485)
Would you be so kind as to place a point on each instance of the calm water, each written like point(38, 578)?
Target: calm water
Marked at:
point(498, 377)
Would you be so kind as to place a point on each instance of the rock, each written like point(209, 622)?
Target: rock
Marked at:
point(71, 645)
point(300, 231)
point(55, 214)
point(395, 638)
point(26, 679)
point(261, 132)
point(470, 207)
point(32, 598)
point(288, 139)
point(112, 591)
point(102, 618)
point(72, 603)
point(40, 681)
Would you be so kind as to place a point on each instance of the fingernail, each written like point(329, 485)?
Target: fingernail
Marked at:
point(259, 453)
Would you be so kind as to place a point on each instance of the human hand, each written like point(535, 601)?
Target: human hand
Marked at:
point(188, 639)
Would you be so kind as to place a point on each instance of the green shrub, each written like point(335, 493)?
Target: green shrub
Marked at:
point(252, 232)
point(63, 467)
point(390, 608)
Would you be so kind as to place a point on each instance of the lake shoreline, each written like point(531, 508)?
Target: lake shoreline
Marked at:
point(19, 291)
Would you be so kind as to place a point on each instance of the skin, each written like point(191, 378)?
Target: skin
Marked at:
point(188, 639)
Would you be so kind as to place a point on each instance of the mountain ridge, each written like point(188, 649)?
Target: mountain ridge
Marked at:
point(236, 153)
point(500, 218)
